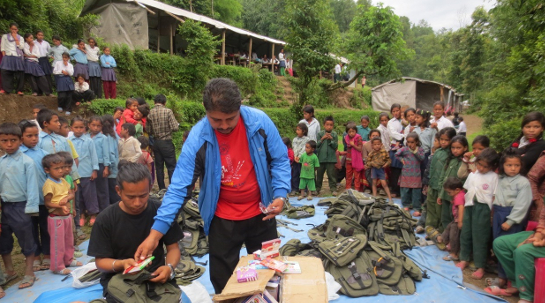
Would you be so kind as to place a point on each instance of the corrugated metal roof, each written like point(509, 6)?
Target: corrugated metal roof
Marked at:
point(418, 80)
point(93, 4)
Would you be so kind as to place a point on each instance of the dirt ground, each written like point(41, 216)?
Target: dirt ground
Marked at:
point(474, 123)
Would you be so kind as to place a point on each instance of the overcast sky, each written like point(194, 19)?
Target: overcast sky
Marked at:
point(438, 13)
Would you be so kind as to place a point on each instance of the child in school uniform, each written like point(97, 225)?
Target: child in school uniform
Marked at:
point(30, 135)
point(326, 149)
point(79, 54)
point(103, 154)
point(410, 181)
point(33, 71)
point(56, 51)
point(146, 157)
point(20, 200)
point(476, 228)
point(12, 66)
point(312, 123)
point(95, 72)
point(63, 71)
point(112, 138)
point(298, 144)
point(57, 194)
point(129, 146)
point(309, 163)
point(43, 60)
point(421, 224)
point(88, 171)
point(109, 79)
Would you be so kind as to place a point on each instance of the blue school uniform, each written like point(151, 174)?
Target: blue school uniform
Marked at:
point(19, 180)
point(103, 153)
point(53, 143)
point(81, 67)
point(114, 155)
point(37, 154)
point(102, 146)
point(88, 160)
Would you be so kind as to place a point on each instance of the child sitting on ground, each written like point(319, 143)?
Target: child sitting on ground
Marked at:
point(475, 236)
point(129, 146)
point(57, 194)
point(146, 157)
point(378, 160)
point(451, 235)
point(140, 115)
point(20, 200)
point(82, 93)
point(309, 162)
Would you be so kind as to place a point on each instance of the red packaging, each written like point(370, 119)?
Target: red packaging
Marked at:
point(274, 265)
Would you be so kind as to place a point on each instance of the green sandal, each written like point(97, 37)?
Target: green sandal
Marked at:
point(433, 233)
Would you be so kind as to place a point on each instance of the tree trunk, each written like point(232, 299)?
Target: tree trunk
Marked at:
point(345, 84)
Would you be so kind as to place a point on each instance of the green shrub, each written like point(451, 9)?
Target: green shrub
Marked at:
point(362, 98)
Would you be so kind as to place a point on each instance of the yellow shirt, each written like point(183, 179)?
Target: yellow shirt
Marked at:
point(59, 190)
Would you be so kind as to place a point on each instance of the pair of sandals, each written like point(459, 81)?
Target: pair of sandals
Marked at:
point(67, 271)
point(44, 265)
point(27, 282)
point(495, 289)
point(432, 234)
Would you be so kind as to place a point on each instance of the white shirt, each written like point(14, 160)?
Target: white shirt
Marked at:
point(281, 57)
point(10, 48)
point(395, 128)
point(313, 128)
point(407, 131)
point(43, 46)
point(59, 67)
point(442, 122)
point(384, 136)
point(92, 53)
point(254, 56)
point(337, 69)
point(80, 88)
point(483, 186)
point(35, 51)
point(462, 127)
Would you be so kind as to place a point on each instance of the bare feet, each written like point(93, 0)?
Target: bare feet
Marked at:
point(478, 274)
point(462, 265)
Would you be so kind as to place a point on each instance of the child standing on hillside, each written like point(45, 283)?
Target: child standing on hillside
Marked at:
point(20, 199)
point(476, 228)
point(129, 146)
point(131, 106)
point(311, 122)
point(327, 146)
point(95, 74)
point(479, 144)
point(12, 65)
point(354, 161)
point(63, 71)
point(109, 79)
point(378, 160)
point(57, 194)
point(299, 143)
point(309, 162)
point(43, 60)
point(33, 71)
point(79, 54)
point(411, 182)
point(103, 154)
point(57, 50)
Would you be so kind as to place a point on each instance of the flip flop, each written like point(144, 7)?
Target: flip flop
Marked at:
point(9, 278)
point(433, 233)
point(36, 265)
point(78, 254)
point(75, 263)
point(63, 272)
point(46, 264)
point(492, 281)
point(497, 291)
point(450, 258)
point(28, 280)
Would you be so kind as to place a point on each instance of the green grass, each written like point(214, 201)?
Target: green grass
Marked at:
point(472, 136)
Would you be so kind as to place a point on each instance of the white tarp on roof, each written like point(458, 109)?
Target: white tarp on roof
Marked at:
point(385, 95)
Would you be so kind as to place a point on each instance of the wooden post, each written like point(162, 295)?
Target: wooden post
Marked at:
point(158, 32)
point(171, 40)
point(223, 49)
point(250, 52)
point(272, 61)
point(442, 94)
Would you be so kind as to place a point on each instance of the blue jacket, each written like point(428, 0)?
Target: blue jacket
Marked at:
point(201, 157)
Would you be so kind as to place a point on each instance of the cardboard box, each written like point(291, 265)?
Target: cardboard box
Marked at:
point(308, 286)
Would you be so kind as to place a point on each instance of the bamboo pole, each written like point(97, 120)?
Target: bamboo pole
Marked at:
point(223, 49)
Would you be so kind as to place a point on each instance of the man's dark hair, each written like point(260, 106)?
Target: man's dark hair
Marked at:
point(45, 115)
point(312, 144)
point(132, 173)
point(141, 101)
point(144, 142)
point(9, 128)
point(51, 159)
point(160, 98)
point(144, 110)
point(130, 128)
point(223, 95)
point(67, 157)
point(453, 183)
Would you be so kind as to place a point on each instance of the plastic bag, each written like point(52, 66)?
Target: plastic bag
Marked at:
point(80, 272)
point(196, 292)
point(332, 287)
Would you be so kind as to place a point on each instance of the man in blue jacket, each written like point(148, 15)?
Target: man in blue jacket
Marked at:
point(242, 160)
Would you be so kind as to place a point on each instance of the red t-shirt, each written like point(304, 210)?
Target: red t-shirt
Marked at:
point(239, 192)
point(458, 200)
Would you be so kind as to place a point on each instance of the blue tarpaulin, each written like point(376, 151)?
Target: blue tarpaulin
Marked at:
point(445, 283)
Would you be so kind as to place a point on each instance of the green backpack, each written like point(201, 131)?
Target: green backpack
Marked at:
point(357, 198)
point(387, 268)
point(344, 250)
point(356, 278)
point(335, 227)
point(327, 201)
point(294, 247)
point(138, 289)
point(301, 212)
point(341, 207)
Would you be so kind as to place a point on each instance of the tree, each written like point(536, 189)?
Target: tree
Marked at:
point(375, 43)
point(311, 36)
point(344, 11)
point(228, 11)
point(264, 17)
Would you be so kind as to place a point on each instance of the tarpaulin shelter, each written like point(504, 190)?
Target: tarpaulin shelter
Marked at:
point(150, 24)
point(416, 93)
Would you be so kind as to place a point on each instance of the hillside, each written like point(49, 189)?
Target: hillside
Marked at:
point(16, 108)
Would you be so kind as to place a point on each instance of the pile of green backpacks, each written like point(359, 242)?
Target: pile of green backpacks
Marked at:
point(361, 245)
point(195, 241)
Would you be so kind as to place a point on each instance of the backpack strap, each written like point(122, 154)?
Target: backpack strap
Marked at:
point(358, 277)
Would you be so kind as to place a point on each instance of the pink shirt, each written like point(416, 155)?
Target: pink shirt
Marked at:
point(456, 201)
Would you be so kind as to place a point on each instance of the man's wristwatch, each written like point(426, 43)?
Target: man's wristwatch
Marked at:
point(281, 198)
point(172, 272)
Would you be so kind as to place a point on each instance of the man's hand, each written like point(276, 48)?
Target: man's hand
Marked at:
point(106, 172)
point(275, 208)
point(128, 263)
point(162, 274)
point(505, 226)
point(93, 175)
point(147, 247)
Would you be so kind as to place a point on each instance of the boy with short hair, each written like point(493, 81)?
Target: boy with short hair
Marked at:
point(20, 200)
point(140, 115)
point(326, 148)
point(363, 129)
point(309, 163)
point(49, 140)
point(129, 146)
point(377, 160)
point(35, 109)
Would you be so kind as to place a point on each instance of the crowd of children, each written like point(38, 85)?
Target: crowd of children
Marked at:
point(466, 198)
point(34, 59)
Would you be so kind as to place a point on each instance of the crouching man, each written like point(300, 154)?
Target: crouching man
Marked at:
point(120, 228)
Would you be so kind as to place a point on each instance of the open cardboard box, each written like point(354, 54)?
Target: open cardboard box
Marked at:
point(308, 286)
